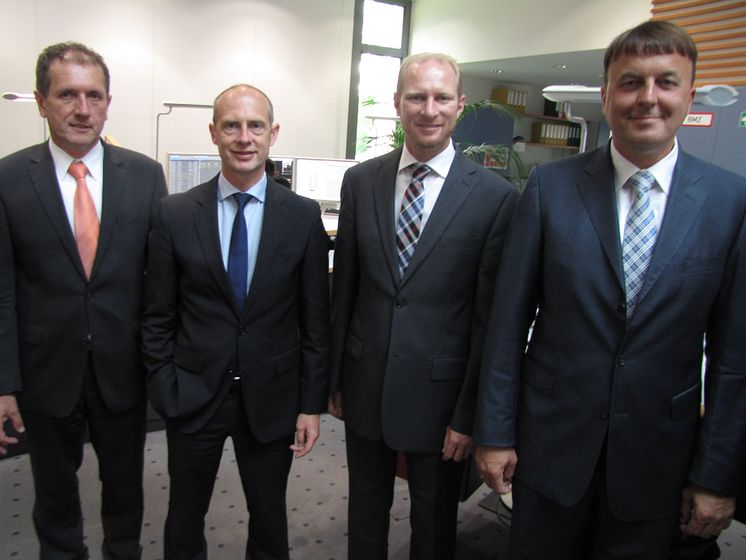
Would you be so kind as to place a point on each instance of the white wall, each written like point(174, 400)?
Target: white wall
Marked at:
point(476, 30)
point(297, 51)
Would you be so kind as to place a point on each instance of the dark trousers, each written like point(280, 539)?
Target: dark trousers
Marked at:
point(56, 452)
point(433, 487)
point(193, 461)
point(542, 529)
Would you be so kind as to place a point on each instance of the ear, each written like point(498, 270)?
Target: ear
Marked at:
point(461, 104)
point(273, 133)
point(397, 99)
point(212, 133)
point(41, 103)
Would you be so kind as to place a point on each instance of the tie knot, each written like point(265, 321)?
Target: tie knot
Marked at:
point(242, 199)
point(419, 171)
point(642, 181)
point(78, 170)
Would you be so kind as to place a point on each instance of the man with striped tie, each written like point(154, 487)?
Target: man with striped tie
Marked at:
point(418, 245)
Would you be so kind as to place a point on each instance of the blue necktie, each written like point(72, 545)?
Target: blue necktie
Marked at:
point(410, 217)
point(640, 233)
point(238, 256)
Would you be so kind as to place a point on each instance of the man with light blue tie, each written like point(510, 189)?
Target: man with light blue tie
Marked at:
point(235, 334)
point(634, 255)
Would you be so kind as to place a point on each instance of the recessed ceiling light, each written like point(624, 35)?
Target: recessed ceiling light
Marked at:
point(496, 71)
point(561, 66)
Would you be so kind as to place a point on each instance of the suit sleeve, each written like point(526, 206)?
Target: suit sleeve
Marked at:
point(345, 281)
point(10, 371)
point(462, 420)
point(160, 316)
point(313, 292)
point(720, 458)
point(513, 308)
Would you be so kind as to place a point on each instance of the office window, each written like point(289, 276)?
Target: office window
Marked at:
point(381, 40)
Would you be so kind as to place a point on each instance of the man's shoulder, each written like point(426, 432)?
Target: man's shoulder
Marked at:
point(488, 178)
point(717, 176)
point(118, 154)
point(22, 157)
point(292, 200)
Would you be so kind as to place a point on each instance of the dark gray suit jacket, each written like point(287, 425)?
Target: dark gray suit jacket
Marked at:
point(196, 339)
point(589, 376)
point(406, 353)
point(50, 315)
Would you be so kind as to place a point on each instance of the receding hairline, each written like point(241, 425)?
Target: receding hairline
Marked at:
point(247, 87)
point(419, 58)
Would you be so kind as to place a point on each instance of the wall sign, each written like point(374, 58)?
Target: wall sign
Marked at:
point(699, 119)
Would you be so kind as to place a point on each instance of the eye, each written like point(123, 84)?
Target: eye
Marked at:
point(257, 127)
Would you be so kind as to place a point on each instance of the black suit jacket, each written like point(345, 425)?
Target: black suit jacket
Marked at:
point(406, 353)
point(196, 339)
point(589, 376)
point(50, 315)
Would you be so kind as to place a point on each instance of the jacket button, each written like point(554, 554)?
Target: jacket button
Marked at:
point(622, 308)
point(621, 361)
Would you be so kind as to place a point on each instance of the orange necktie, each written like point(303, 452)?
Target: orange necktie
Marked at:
point(85, 218)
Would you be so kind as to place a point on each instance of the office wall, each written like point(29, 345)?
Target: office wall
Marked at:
point(297, 51)
point(491, 29)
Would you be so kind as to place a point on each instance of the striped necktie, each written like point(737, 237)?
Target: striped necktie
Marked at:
point(640, 233)
point(410, 216)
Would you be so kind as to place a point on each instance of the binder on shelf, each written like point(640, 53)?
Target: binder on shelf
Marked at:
point(510, 97)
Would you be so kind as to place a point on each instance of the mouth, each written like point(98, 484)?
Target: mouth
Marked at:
point(243, 155)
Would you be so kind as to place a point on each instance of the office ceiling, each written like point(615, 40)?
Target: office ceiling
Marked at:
point(580, 67)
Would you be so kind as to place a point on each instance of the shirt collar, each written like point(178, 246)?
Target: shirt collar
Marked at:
point(662, 170)
point(441, 163)
point(93, 159)
point(258, 190)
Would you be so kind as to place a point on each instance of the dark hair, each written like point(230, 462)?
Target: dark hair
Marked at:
point(651, 38)
point(69, 51)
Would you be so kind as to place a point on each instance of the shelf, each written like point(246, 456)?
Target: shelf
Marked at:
point(555, 146)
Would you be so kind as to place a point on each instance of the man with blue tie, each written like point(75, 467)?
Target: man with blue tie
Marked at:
point(634, 255)
point(235, 334)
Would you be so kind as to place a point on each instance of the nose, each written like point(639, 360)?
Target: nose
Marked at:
point(648, 93)
point(244, 136)
point(81, 104)
point(429, 108)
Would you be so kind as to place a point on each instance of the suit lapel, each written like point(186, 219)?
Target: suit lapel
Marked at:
point(114, 185)
point(272, 227)
point(598, 194)
point(686, 197)
point(206, 224)
point(456, 189)
point(44, 180)
point(383, 202)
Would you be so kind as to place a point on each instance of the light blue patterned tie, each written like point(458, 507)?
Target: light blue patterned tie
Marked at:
point(410, 217)
point(640, 233)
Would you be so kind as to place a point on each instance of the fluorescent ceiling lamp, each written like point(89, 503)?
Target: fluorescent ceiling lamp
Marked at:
point(179, 104)
point(713, 95)
point(20, 97)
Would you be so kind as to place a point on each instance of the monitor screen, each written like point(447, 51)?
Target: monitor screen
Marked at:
point(320, 179)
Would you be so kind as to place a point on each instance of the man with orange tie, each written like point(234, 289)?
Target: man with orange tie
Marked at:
point(74, 220)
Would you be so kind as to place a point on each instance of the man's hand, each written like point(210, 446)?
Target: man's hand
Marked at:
point(496, 465)
point(9, 411)
point(456, 446)
point(335, 404)
point(704, 513)
point(306, 434)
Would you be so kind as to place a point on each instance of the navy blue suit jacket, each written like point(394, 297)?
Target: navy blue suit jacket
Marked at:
point(590, 376)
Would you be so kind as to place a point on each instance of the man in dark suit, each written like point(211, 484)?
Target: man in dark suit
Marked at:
point(235, 334)
point(634, 254)
point(72, 260)
point(409, 313)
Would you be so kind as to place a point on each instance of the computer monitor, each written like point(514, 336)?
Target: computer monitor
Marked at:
point(187, 170)
point(320, 179)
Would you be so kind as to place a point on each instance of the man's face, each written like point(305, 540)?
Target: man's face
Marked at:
point(76, 105)
point(645, 101)
point(428, 106)
point(243, 135)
